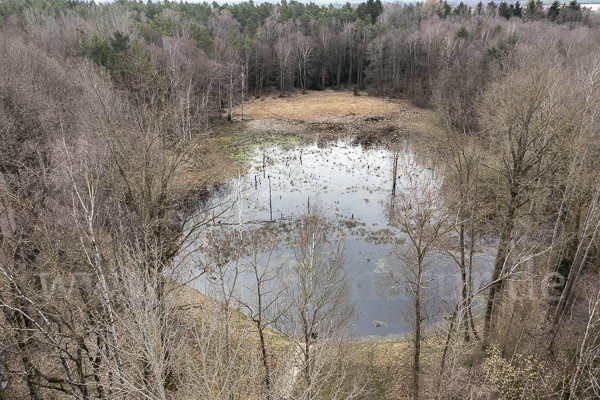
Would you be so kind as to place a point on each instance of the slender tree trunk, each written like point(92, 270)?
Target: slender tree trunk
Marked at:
point(394, 175)
point(446, 346)
point(96, 366)
point(230, 96)
point(243, 80)
point(304, 76)
point(308, 368)
point(579, 259)
point(418, 320)
point(470, 278)
point(228, 347)
point(265, 360)
point(463, 276)
point(350, 70)
point(592, 321)
point(220, 100)
point(497, 279)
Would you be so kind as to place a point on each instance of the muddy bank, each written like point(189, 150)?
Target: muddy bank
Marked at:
point(367, 130)
point(332, 114)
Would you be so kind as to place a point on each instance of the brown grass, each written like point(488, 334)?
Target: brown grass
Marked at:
point(331, 114)
point(326, 105)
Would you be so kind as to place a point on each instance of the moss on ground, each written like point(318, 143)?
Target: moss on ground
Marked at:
point(240, 143)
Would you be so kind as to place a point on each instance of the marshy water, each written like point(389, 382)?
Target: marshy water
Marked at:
point(352, 183)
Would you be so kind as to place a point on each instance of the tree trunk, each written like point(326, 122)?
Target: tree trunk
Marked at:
point(265, 359)
point(470, 278)
point(243, 79)
point(463, 276)
point(446, 345)
point(497, 279)
point(418, 320)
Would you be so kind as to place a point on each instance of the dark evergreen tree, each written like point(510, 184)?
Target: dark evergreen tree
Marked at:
point(479, 8)
point(370, 10)
point(518, 10)
point(554, 10)
point(462, 33)
point(462, 10)
point(539, 9)
point(530, 13)
point(575, 6)
point(504, 10)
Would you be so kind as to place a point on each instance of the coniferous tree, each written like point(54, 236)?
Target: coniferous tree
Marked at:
point(518, 10)
point(462, 33)
point(575, 6)
point(370, 10)
point(492, 8)
point(554, 10)
point(462, 10)
point(504, 10)
point(479, 8)
point(529, 13)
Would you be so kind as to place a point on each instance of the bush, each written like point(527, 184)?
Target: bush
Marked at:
point(420, 101)
point(513, 380)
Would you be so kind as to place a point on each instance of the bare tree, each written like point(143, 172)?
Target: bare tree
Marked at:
point(421, 214)
point(527, 122)
point(584, 381)
point(319, 295)
point(284, 50)
point(304, 48)
point(263, 295)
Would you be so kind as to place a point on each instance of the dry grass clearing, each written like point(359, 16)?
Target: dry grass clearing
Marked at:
point(333, 113)
point(322, 106)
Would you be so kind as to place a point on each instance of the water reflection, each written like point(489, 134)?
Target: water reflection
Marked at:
point(352, 183)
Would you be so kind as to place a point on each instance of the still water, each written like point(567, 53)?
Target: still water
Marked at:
point(352, 183)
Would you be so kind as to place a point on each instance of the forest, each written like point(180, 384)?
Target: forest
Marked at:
point(116, 129)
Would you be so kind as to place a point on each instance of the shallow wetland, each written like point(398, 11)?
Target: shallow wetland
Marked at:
point(352, 182)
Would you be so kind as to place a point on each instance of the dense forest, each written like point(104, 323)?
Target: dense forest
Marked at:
point(107, 121)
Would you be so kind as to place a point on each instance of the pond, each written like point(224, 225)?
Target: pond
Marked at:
point(352, 182)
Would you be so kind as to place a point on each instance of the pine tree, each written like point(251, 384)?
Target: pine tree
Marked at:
point(479, 8)
point(530, 13)
point(518, 10)
point(370, 10)
point(504, 10)
point(462, 33)
point(554, 10)
point(462, 10)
